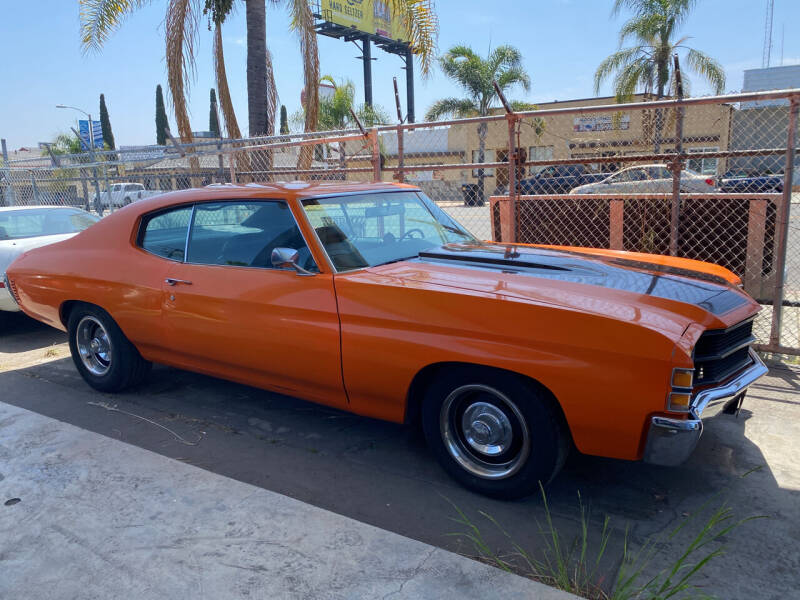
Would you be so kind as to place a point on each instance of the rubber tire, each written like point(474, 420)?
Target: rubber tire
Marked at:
point(128, 368)
point(550, 439)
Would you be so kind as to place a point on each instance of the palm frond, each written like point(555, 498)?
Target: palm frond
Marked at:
point(303, 24)
point(181, 34)
point(223, 91)
point(422, 24)
point(100, 18)
point(513, 76)
point(708, 68)
point(615, 62)
point(634, 75)
point(451, 107)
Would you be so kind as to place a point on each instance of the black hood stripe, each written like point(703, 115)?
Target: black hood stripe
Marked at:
point(709, 293)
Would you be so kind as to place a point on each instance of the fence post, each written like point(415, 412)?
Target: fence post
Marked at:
point(677, 166)
point(9, 188)
point(512, 173)
point(376, 155)
point(35, 189)
point(782, 223)
point(400, 154)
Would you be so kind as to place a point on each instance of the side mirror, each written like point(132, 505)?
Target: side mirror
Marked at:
point(286, 258)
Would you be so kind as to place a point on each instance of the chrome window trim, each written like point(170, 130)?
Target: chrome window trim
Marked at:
point(189, 233)
point(426, 202)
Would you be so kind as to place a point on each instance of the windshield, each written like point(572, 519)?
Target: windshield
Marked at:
point(366, 230)
point(36, 222)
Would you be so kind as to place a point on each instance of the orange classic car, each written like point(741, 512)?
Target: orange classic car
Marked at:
point(371, 299)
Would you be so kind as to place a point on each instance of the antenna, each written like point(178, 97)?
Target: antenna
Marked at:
point(765, 57)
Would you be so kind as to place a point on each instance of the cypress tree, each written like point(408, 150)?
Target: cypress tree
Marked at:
point(213, 119)
point(161, 118)
point(284, 121)
point(105, 124)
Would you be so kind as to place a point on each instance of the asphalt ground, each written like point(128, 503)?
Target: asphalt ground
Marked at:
point(382, 474)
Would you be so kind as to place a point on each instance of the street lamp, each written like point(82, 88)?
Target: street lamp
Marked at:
point(98, 202)
point(91, 127)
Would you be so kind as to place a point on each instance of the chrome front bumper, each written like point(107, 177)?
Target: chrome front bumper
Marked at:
point(671, 441)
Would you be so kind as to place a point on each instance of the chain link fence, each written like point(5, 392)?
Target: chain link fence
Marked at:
point(711, 179)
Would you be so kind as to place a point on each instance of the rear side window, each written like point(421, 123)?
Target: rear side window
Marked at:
point(164, 233)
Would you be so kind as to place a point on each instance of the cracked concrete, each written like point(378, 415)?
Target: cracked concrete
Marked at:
point(99, 518)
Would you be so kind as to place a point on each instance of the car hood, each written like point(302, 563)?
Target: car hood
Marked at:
point(665, 295)
point(11, 249)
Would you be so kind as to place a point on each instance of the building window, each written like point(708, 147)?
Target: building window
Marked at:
point(488, 156)
point(539, 153)
point(706, 166)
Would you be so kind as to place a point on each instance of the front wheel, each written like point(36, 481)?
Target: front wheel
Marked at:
point(104, 357)
point(495, 432)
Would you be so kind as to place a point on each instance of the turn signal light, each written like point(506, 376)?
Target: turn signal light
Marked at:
point(679, 401)
point(682, 378)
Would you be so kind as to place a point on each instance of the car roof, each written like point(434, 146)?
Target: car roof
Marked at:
point(287, 190)
point(37, 207)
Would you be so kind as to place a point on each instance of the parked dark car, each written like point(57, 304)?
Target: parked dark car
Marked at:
point(559, 179)
point(742, 182)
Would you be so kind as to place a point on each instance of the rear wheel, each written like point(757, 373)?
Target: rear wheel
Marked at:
point(494, 432)
point(104, 357)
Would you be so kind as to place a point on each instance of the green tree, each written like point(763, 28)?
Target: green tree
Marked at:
point(336, 112)
point(100, 18)
point(213, 119)
point(65, 143)
point(475, 75)
point(105, 124)
point(647, 65)
point(284, 121)
point(161, 118)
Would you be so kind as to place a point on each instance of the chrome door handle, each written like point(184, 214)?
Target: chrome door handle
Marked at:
point(172, 281)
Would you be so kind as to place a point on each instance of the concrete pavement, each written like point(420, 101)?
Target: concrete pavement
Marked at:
point(381, 474)
point(86, 516)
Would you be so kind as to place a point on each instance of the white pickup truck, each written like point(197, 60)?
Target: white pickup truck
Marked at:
point(122, 194)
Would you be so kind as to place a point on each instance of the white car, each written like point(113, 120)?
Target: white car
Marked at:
point(122, 194)
point(23, 228)
point(649, 179)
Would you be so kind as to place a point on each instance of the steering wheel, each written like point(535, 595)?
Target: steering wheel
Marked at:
point(408, 233)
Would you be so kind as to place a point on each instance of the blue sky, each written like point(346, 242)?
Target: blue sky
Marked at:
point(562, 42)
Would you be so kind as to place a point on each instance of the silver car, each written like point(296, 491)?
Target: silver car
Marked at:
point(648, 179)
point(23, 228)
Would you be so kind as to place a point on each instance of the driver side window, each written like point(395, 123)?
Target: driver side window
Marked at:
point(244, 234)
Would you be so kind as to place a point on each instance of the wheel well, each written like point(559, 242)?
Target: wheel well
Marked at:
point(425, 376)
point(67, 308)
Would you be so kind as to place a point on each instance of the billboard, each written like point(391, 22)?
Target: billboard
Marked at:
point(97, 131)
point(369, 16)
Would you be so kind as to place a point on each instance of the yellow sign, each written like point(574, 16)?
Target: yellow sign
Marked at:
point(370, 16)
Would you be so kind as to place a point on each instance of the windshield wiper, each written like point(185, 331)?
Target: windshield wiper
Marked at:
point(394, 260)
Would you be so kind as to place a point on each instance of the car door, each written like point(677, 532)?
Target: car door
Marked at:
point(229, 312)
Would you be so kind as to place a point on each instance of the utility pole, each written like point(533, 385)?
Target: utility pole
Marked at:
point(366, 57)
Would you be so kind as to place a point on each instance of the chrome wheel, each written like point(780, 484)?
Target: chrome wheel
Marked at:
point(484, 431)
point(94, 345)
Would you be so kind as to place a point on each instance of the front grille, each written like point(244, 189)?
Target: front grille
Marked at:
point(720, 353)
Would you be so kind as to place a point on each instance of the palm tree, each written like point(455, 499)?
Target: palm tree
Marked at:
point(100, 18)
point(336, 112)
point(647, 65)
point(476, 76)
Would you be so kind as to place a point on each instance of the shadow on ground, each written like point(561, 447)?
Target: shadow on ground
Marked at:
point(382, 474)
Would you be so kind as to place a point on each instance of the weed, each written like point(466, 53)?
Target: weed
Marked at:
point(572, 566)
